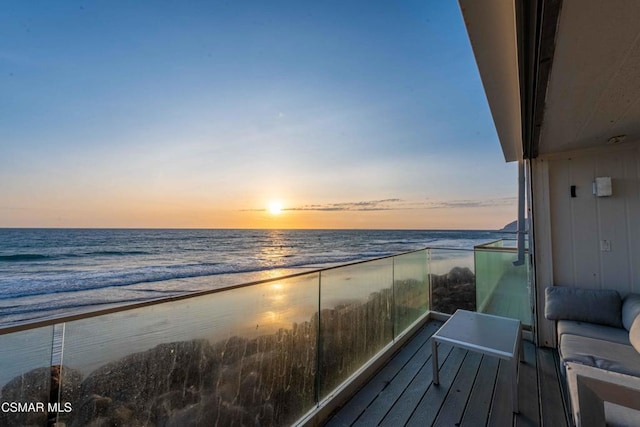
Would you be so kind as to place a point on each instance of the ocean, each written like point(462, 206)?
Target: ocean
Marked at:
point(52, 272)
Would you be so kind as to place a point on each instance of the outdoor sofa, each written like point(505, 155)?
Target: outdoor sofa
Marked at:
point(599, 347)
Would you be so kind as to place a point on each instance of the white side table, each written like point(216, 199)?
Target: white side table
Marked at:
point(486, 334)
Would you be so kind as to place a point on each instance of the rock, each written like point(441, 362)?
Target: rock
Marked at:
point(454, 290)
point(131, 386)
point(460, 275)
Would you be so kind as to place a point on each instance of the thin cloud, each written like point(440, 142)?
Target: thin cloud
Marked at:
point(482, 203)
point(395, 205)
point(367, 205)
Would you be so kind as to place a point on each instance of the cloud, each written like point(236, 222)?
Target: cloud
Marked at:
point(397, 204)
point(367, 205)
point(478, 203)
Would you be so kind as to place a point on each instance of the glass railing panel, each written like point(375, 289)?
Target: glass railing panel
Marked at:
point(410, 288)
point(25, 376)
point(355, 318)
point(452, 279)
point(242, 356)
point(502, 288)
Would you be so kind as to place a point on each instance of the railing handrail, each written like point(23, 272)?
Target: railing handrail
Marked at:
point(488, 248)
point(156, 301)
point(444, 248)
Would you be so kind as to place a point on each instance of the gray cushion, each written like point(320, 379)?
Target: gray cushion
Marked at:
point(630, 310)
point(634, 334)
point(593, 330)
point(601, 306)
point(607, 355)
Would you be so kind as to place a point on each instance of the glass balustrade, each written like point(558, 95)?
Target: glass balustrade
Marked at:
point(502, 288)
point(356, 318)
point(410, 288)
point(244, 356)
point(263, 353)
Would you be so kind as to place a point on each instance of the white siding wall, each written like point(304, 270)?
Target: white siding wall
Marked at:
point(573, 228)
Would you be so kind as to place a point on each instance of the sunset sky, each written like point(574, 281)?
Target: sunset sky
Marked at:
point(348, 114)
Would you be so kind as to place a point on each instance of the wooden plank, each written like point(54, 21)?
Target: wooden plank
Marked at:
point(551, 403)
point(477, 410)
point(401, 397)
point(528, 397)
point(501, 412)
point(428, 408)
point(419, 346)
point(453, 408)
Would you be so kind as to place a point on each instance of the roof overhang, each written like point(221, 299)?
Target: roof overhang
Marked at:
point(594, 86)
point(491, 25)
point(560, 75)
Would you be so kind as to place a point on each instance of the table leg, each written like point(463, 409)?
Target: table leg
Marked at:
point(514, 383)
point(521, 346)
point(515, 364)
point(434, 359)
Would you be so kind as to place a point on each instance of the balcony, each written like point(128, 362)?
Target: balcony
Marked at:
point(276, 352)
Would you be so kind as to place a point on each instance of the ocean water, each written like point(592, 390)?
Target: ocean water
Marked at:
point(52, 272)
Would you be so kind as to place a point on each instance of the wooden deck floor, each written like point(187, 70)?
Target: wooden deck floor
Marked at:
point(474, 390)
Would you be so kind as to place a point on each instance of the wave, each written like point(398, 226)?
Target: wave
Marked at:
point(23, 257)
point(116, 253)
point(94, 280)
point(44, 257)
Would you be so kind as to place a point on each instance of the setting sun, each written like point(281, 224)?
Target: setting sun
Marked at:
point(275, 208)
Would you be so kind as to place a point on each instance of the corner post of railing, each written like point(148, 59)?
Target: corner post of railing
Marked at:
point(57, 360)
point(475, 275)
point(428, 256)
point(394, 308)
point(317, 378)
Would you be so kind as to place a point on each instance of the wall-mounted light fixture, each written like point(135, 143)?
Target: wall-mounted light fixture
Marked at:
point(602, 186)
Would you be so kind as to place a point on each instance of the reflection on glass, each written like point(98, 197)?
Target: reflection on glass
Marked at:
point(501, 287)
point(25, 374)
point(355, 318)
point(451, 273)
point(243, 356)
point(410, 288)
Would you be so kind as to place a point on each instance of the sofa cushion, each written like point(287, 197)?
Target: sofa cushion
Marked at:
point(607, 355)
point(602, 306)
point(634, 334)
point(592, 330)
point(630, 310)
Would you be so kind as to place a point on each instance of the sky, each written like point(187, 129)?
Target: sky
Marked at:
point(246, 114)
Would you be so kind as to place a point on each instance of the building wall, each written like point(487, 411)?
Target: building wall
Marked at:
point(572, 233)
